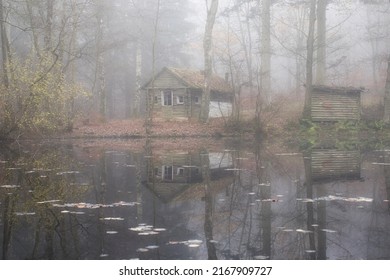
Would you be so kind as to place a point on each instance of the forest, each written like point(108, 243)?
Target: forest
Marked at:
point(71, 63)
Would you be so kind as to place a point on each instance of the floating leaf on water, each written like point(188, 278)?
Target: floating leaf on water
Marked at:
point(386, 200)
point(348, 199)
point(152, 247)
point(265, 184)
point(24, 213)
point(142, 250)
point(233, 169)
point(112, 219)
point(129, 165)
point(360, 207)
point(213, 241)
point(103, 255)
point(111, 232)
point(307, 200)
point(13, 168)
point(310, 251)
point(65, 211)
point(314, 225)
point(159, 229)
point(195, 241)
point(67, 172)
point(303, 231)
point(10, 186)
point(251, 193)
point(193, 245)
point(260, 257)
point(48, 201)
point(288, 230)
point(328, 230)
point(77, 213)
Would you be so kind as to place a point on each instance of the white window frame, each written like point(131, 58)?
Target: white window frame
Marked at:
point(163, 172)
point(196, 99)
point(178, 99)
point(163, 92)
point(180, 171)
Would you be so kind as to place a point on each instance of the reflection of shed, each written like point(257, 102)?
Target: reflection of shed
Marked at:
point(335, 103)
point(334, 164)
point(171, 175)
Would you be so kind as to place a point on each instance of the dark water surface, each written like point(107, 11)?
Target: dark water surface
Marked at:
point(126, 200)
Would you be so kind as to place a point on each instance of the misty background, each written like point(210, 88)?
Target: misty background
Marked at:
point(107, 46)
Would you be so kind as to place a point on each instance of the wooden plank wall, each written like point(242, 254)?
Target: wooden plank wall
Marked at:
point(335, 164)
point(335, 107)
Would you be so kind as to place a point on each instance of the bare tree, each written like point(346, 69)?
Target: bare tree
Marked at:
point(321, 42)
point(386, 116)
point(207, 45)
point(309, 60)
point(5, 47)
point(265, 68)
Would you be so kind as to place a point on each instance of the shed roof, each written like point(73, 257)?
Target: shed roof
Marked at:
point(193, 78)
point(337, 90)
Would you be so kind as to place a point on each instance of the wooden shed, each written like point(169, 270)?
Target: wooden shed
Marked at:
point(177, 93)
point(335, 103)
point(333, 164)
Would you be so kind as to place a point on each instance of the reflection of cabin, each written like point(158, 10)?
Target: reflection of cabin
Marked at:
point(171, 175)
point(335, 103)
point(329, 165)
point(178, 94)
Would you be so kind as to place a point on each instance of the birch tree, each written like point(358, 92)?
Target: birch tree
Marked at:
point(207, 45)
point(309, 60)
point(386, 116)
point(265, 68)
point(321, 42)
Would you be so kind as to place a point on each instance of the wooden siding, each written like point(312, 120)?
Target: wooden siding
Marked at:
point(335, 164)
point(335, 104)
point(166, 80)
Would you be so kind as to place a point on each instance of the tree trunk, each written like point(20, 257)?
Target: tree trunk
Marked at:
point(138, 76)
point(386, 116)
point(100, 69)
point(5, 48)
point(151, 93)
point(207, 46)
point(309, 60)
point(265, 68)
point(49, 24)
point(321, 38)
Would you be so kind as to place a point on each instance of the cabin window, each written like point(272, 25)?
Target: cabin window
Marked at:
point(196, 99)
point(167, 172)
point(180, 171)
point(180, 99)
point(155, 100)
point(167, 98)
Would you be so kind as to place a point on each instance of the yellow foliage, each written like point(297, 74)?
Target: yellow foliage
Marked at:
point(39, 98)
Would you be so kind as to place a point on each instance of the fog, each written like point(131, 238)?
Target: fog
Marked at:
point(95, 45)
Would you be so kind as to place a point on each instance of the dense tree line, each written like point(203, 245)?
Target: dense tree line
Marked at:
point(89, 58)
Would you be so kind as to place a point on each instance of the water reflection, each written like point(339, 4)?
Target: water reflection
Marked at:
point(85, 201)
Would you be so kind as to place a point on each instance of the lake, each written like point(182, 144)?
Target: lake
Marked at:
point(177, 199)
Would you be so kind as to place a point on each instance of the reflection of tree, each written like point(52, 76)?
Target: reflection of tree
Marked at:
point(8, 220)
point(38, 174)
point(209, 202)
point(265, 196)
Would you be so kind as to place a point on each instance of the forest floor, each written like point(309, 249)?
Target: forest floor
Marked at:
point(135, 128)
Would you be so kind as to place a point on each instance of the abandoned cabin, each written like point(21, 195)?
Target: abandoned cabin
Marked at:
point(178, 94)
point(335, 103)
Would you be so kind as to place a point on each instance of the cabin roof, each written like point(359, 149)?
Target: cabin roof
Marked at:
point(193, 78)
